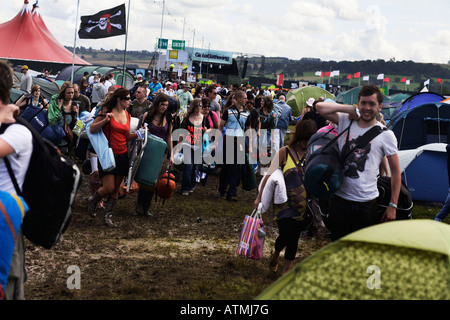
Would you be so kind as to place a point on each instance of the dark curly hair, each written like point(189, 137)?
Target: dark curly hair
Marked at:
point(6, 81)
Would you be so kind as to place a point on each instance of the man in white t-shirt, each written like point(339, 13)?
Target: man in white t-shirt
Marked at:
point(16, 143)
point(354, 205)
point(26, 82)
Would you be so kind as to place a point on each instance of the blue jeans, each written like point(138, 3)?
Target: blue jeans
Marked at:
point(189, 173)
point(445, 210)
point(282, 137)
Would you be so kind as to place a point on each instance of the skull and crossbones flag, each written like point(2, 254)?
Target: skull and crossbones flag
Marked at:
point(106, 23)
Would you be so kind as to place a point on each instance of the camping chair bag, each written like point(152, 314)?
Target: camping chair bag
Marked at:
point(152, 160)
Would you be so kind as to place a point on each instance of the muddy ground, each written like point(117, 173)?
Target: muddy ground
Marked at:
point(186, 251)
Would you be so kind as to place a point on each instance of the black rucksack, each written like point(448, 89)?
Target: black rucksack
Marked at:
point(49, 189)
point(405, 203)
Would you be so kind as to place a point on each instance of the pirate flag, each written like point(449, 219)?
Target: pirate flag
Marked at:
point(106, 23)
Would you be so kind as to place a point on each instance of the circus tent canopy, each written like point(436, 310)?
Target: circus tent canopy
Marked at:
point(26, 37)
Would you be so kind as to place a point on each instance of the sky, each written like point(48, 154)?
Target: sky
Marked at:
point(337, 30)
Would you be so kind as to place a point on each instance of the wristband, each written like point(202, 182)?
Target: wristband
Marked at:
point(393, 205)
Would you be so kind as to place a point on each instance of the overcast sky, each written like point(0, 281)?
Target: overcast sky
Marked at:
point(337, 30)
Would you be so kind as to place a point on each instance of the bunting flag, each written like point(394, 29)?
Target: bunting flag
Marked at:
point(439, 80)
point(319, 74)
point(426, 82)
point(380, 76)
point(327, 74)
point(349, 77)
point(366, 78)
point(408, 82)
point(403, 80)
point(357, 75)
point(335, 73)
point(386, 79)
point(104, 24)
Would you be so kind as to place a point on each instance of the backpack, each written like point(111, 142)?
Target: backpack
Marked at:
point(405, 203)
point(49, 189)
point(324, 161)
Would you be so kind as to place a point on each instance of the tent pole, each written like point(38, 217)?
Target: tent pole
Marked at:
point(126, 40)
point(75, 42)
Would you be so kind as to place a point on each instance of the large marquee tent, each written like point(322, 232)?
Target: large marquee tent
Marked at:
point(26, 38)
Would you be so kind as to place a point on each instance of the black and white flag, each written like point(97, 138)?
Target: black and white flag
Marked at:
point(106, 23)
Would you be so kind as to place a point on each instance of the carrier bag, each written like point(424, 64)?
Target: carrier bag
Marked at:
point(12, 211)
point(248, 175)
point(252, 236)
point(49, 189)
point(102, 149)
point(405, 203)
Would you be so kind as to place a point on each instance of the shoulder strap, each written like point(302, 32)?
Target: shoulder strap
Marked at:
point(3, 128)
point(362, 141)
point(297, 164)
point(337, 137)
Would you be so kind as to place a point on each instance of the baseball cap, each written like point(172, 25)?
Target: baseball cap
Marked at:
point(168, 83)
point(24, 67)
point(139, 75)
point(95, 72)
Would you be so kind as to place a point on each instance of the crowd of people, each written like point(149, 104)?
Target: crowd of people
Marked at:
point(250, 121)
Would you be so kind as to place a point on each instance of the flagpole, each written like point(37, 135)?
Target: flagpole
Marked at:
point(126, 41)
point(75, 42)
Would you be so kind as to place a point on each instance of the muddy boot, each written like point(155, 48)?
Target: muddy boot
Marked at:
point(92, 203)
point(144, 200)
point(94, 187)
point(109, 208)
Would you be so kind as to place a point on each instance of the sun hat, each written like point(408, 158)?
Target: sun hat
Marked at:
point(310, 102)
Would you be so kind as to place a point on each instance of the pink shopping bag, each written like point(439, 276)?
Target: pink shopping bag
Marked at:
point(251, 241)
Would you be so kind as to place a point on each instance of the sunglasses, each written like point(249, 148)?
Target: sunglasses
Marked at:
point(126, 98)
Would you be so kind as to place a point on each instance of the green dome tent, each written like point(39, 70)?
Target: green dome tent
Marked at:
point(399, 97)
point(66, 74)
point(297, 98)
point(351, 96)
point(399, 260)
point(15, 94)
point(48, 88)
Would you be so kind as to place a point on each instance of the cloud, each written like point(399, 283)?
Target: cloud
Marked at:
point(344, 9)
point(442, 38)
